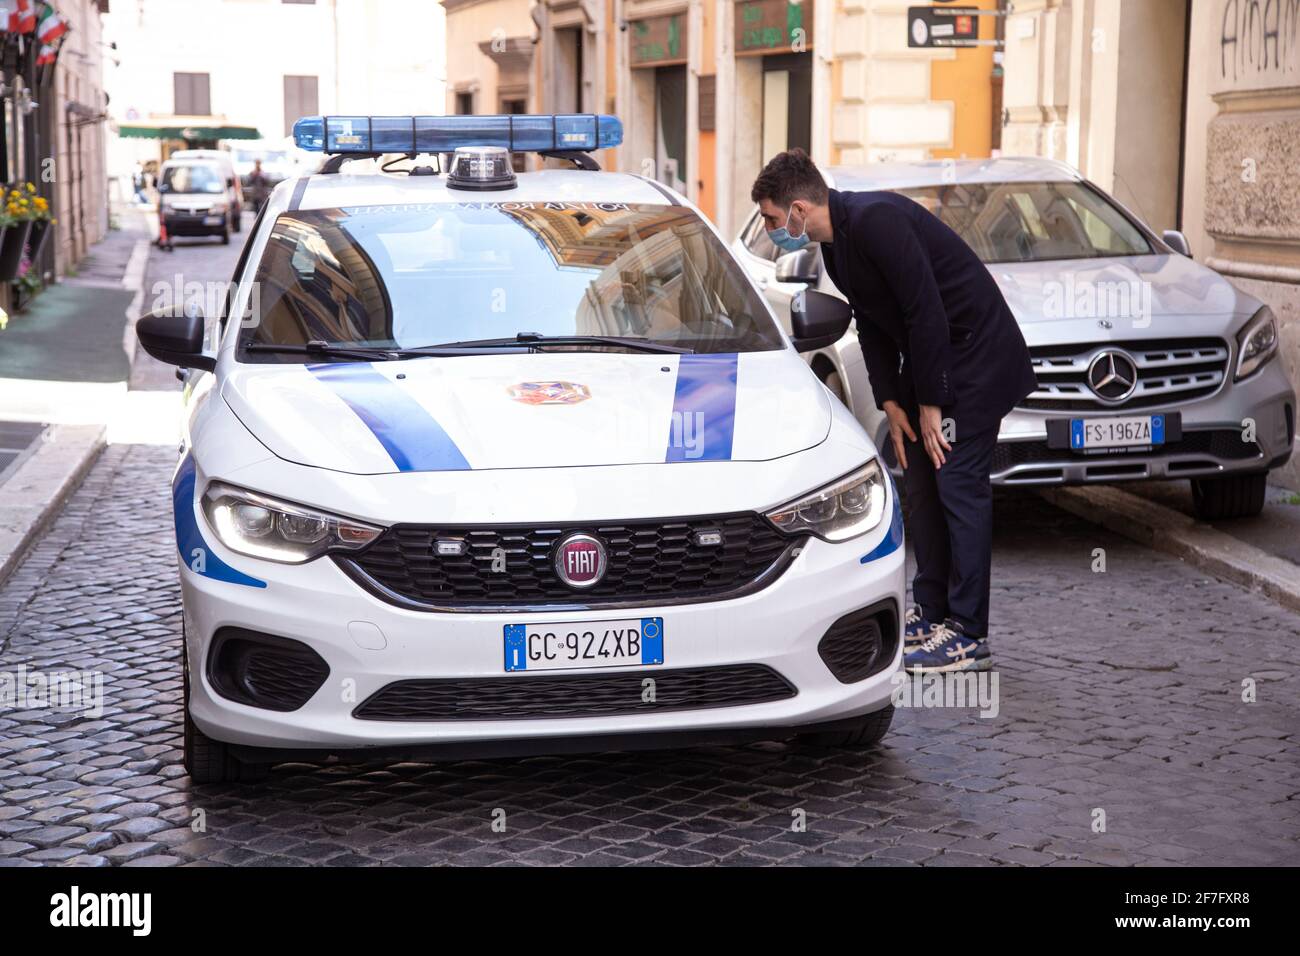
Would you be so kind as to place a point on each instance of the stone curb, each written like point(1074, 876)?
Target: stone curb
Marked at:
point(36, 491)
point(1173, 532)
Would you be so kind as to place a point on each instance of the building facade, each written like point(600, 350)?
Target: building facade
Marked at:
point(708, 90)
point(1188, 111)
point(262, 64)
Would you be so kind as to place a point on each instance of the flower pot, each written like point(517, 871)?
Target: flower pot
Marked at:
point(11, 249)
point(41, 230)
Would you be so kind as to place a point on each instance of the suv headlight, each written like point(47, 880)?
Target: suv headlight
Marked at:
point(844, 509)
point(265, 527)
point(1256, 342)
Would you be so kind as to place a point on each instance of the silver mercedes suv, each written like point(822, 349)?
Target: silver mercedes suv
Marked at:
point(1149, 365)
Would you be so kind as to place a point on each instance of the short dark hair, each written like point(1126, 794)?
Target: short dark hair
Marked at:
point(789, 176)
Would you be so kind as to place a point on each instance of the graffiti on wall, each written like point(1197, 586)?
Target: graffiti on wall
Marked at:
point(1259, 42)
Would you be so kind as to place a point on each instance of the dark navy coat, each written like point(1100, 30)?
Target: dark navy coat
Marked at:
point(933, 325)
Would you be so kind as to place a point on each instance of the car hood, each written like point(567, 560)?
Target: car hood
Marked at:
point(532, 410)
point(1118, 289)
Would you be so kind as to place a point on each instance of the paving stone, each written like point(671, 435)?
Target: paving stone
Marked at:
point(1098, 709)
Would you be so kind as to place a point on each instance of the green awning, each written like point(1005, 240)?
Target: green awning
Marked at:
point(190, 131)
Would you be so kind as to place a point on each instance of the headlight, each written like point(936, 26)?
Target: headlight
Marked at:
point(844, 509)
point(264, 527)
point(1256, 342)
point(218, 207)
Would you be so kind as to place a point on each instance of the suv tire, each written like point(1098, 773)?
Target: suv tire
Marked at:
point(1232, 496)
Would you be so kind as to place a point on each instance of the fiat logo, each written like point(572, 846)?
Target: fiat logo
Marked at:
point(580, 561)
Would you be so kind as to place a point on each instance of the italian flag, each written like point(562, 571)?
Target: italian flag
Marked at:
point(47, 55)
point(18, 16)
point(51, 26)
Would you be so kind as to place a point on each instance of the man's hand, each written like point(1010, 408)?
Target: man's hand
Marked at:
point(898, 427)
point(932, 435)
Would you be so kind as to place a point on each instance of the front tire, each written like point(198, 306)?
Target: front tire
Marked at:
point(207, 760)
point(1232, 496)
point(868, 731)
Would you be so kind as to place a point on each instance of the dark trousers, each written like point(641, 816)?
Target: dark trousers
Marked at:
point(950, 525)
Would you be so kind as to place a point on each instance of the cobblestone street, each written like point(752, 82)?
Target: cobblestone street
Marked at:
point(1119, 692)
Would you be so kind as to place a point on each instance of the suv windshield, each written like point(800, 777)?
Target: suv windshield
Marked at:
point(416, 275)
point(191, 179)
point(1030, 221)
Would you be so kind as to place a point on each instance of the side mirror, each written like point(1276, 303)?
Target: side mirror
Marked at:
point(175, 339)
point(818, 319)
point(802, 266)
point(1176, 241)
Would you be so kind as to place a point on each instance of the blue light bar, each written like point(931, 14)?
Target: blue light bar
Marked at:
point(581, 132)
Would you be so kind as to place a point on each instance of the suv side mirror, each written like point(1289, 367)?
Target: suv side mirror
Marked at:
point(175, 339)
point(802, 266)
point(818, 319)
point(1176, 241)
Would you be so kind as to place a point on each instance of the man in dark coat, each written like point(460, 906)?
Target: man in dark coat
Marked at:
point(946, 361)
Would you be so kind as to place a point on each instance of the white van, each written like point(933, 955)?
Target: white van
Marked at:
point(226, 161)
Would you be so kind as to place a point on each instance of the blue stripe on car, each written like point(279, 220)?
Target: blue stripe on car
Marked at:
point(412, 437)
point(194, 550)
point(891, 542)
point(704, 408)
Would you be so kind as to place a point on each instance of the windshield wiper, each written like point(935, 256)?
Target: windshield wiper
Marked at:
point(529, 339)
point(364, 353)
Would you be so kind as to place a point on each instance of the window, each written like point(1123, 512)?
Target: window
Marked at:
point(755, 240)
point(196, 178)
point(366, 275)
point(192, 94)
point(1033, 221)
point(300, 99)
point(464, 104)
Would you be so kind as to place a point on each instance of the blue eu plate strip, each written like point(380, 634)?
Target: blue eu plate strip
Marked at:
point(652, 640)
point(1076, 433)
point(412, 437)
point(516, 647)
point(1157, 429)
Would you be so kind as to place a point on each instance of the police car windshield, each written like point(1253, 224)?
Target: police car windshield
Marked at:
point(411, 275)
point(1033, 221)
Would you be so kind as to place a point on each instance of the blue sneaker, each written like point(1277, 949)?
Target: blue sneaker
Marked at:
point(947, 649)
point(915, 628)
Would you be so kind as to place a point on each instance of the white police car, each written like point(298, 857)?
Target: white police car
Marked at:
point(485, 463)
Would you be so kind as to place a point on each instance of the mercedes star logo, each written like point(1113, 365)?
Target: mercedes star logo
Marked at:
point(1112, 376)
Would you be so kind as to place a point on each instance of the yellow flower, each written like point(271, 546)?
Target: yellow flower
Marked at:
point(31, 188)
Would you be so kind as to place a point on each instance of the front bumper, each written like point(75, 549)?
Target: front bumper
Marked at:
point(1216, 439)
point(369, 644)
point(202, 224)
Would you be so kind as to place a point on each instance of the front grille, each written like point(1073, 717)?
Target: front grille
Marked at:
point(576, 695)
point(861, 643)
point(651, 562)
point(1222, 443)
point(1169, 371)
point(262, 670)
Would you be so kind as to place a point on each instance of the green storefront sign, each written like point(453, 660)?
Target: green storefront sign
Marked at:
point(773, 26)
point(658, 41)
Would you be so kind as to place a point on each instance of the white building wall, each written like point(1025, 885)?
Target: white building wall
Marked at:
point(370, 56)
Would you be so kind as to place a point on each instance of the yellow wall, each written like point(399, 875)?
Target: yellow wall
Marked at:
point(966, 81)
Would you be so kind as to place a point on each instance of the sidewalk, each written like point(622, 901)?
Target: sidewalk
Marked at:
point(64, 366)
